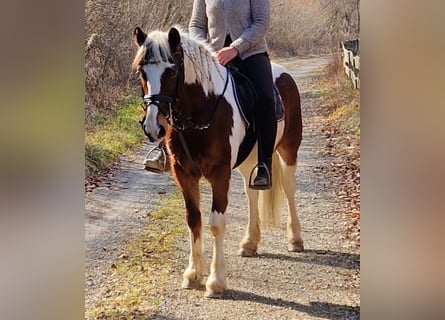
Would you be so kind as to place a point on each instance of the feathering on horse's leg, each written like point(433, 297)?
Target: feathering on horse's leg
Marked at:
point(216, 284)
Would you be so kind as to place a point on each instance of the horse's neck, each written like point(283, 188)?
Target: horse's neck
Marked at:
point(201, 68)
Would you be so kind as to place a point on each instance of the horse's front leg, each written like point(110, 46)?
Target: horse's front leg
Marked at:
point(216, 283)
point(193, 275)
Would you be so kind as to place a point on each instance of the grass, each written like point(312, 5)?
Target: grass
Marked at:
point(347, 117)
point(138, 277)
point(343, 99)
point(113, 135)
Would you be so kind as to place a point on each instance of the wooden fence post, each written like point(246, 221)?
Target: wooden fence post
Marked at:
point(351, 60)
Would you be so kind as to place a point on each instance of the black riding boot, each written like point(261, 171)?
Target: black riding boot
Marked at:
point(263, 179)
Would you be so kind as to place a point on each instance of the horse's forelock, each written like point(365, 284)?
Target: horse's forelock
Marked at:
point(140, 54)
point(155, 48)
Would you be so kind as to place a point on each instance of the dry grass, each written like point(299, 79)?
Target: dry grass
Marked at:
point(109, 48)
point(344, 99)
point(342, 130)
point(298, 27)
point(137, 279)
point(301, 27)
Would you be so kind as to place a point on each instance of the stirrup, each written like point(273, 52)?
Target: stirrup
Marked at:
point(157, 165)
point(260, 187)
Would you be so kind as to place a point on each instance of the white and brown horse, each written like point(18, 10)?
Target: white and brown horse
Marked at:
point(190, 102)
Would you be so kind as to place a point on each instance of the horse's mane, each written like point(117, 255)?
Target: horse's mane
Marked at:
point(198, 52)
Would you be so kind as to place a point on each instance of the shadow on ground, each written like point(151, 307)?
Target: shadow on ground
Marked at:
point(318, 309)
point(321, 257)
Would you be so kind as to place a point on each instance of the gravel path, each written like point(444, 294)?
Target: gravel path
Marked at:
point(323, 282)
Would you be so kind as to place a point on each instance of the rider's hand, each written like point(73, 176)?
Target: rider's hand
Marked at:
point(226, 54)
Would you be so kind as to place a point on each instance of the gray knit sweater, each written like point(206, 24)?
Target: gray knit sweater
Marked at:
point(246, 21)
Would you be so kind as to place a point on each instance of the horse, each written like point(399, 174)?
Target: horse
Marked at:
point(190, 101)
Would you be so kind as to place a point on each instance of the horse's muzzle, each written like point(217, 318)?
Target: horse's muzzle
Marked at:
point(145, 131)
point(161, 132)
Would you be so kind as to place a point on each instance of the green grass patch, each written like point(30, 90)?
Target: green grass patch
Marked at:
point(137, 279)
point(112, 136)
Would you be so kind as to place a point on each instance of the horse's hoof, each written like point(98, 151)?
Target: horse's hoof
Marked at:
point(192, 284)
point(295, 247)
point(245, 252)
point(212, 294)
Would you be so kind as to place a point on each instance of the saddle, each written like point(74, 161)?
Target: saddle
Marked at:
point(246, 98)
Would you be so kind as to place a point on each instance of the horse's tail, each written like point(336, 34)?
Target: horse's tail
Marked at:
point(270, 202)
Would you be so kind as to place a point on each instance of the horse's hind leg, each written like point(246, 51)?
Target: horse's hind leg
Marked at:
point(295, 242)
point(249, 244)
point(193, 275)
point(216, 283)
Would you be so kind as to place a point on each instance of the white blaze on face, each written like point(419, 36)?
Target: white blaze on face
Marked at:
point(154, 72)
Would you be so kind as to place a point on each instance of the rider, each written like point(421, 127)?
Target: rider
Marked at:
point(236, 32)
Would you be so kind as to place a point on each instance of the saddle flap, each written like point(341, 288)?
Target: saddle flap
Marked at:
point(246, 96)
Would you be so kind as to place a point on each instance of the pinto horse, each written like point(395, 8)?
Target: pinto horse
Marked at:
point(191, 103)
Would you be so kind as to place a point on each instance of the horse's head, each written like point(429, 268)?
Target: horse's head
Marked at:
point(159, 63)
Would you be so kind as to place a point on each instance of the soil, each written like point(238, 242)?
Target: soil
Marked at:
point(323, 282)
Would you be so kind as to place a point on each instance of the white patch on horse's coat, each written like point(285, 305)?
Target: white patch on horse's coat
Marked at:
point(280, 132)
point(196, 266)
point(154, 73)
point(277, 70)
point(238, 128)
point(151, 123)
point(216, 220)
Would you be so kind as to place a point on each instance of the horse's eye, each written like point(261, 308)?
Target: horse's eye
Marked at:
point(138, 73)
point(171, 72)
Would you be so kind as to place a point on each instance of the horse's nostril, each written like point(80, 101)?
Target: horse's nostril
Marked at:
point(161, 132)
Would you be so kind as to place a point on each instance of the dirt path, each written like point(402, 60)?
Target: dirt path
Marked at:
point(321, 283)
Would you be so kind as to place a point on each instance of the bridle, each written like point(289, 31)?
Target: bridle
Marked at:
point(178, 121)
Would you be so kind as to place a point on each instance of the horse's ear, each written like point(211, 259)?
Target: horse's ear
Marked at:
point(174, 39)
point(139, 36)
